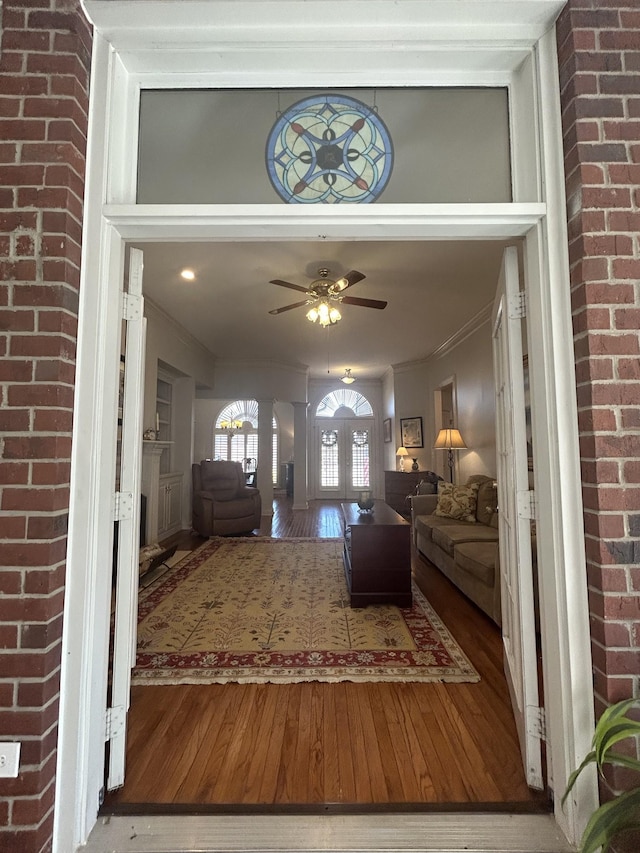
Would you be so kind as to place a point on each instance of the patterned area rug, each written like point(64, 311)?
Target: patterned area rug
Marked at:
point(257, 609)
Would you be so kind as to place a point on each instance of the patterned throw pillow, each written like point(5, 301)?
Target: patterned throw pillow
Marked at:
point(457, 501)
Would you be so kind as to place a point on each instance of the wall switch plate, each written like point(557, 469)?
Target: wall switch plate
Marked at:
point(9, 760)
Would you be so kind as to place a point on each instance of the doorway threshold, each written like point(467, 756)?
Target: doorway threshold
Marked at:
point(407, 832)
point(542, 805)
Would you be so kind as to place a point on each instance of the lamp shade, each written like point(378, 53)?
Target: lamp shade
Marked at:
point(449, 439)
point(402, 451)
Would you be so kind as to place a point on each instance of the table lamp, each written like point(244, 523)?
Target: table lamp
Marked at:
point(402, 452)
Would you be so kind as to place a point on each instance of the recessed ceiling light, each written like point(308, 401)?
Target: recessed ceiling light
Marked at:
point(188, 275)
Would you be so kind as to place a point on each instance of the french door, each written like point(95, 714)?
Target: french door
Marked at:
point(515, 503)
point(127, 514)
point(344, 457)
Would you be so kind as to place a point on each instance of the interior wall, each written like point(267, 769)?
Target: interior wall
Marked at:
point(471, 363)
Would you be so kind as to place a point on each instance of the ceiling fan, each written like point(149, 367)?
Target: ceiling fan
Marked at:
point(324, 295)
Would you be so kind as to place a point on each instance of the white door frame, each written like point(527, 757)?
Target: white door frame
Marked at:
point(211, 45)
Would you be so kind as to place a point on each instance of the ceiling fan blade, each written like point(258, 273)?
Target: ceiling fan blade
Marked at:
point(364, 303)
point(289, 307)
point(289, 284)
point(351, 278)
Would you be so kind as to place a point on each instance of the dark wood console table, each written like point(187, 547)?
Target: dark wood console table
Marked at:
point(399, 484)
point(377, 556)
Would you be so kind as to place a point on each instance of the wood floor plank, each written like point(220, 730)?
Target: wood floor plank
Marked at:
point(346, 767)
point(332, 743)
point(285, 786)
point(220, 703)
point(275, 741)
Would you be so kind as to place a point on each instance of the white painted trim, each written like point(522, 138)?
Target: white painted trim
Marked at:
point(568, 685)
point(114, 97)
point(88, 572)
point(159, 222)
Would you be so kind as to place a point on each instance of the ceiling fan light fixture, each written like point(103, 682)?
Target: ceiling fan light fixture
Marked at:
point(347, 378)
point(324, 313)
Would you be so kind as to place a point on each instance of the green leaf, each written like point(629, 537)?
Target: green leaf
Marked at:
point(613, 817)
point(589, 759)
point(610, 718)
point(623, 761)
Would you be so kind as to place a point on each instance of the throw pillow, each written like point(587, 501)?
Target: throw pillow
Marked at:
point(457, 502)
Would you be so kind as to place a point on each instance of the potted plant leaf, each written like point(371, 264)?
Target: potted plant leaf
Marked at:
point(621, 815)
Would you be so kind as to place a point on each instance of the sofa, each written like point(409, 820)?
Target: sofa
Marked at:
point(457, 530)
point(223, 505)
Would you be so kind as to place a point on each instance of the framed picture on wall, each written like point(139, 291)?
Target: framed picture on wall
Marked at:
point(386, 429)
point(411, 432)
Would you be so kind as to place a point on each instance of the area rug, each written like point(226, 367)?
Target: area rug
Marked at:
point(254, 610)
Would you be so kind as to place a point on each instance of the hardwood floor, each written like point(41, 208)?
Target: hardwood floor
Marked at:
point(315, 745)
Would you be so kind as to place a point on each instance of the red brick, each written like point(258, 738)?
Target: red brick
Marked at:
point(31, 553)
point(22, 270)
point(32, 694)
point(630, 418)
point(631, 471)
point(624, 220)
point(626, 268)
point(613, 294)
point(44, 582)
point(47, 526)
point(12, 473)
point(605, 526)
point(55, 370)
point(19, 129)
point(14, 526)
point(617, 344)
point(629, 318)
point(596, 420)
point(40, 395)
point(19, 175)
point(621, 662)
point(619, 40)
point(606, 197)
point(53, 420)
point(17, 321)
point(50, 473)
point(6, 699)
point(594, 368)
point(41, 346)
point(591, 318)
point(10, 582)
point(8, 637)
point(35, 500)
point(30, 664)
point(14, 420)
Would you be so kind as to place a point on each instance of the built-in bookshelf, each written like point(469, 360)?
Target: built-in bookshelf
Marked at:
point(164, 395)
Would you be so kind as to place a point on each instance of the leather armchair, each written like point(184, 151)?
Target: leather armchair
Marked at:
point(222, 503)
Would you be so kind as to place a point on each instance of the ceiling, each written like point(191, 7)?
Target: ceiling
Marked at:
point(433, 289)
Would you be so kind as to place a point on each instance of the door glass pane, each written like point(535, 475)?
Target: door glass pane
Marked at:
point(329, 470)
point(360, 458)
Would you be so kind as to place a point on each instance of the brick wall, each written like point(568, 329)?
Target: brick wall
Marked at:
point(599, 53)
point(44, 64)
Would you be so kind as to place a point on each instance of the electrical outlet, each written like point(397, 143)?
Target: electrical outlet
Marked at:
point(9, 760)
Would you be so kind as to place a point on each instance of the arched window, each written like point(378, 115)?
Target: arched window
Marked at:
point(344, 403)
point(236, 435)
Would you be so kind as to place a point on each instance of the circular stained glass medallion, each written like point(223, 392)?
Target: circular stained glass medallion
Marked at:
point(329, 148)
